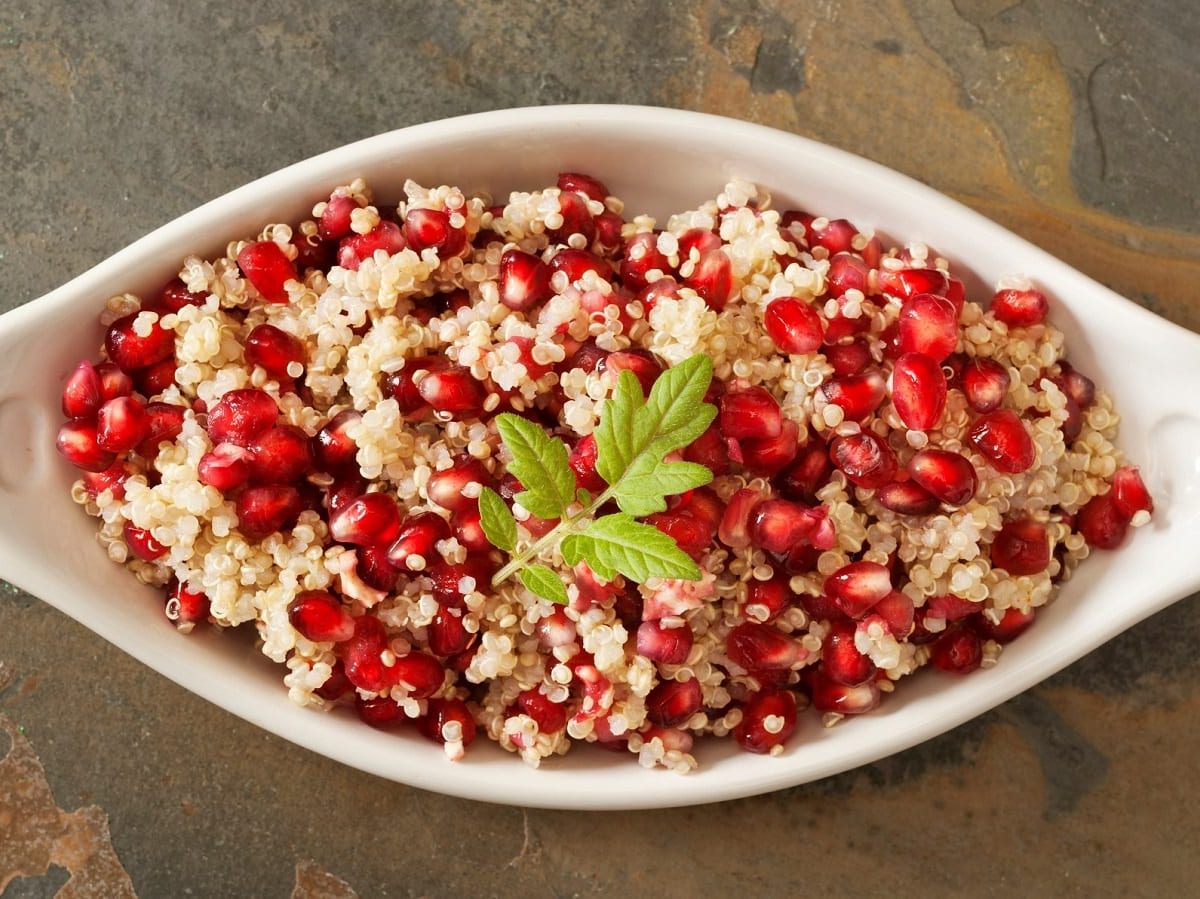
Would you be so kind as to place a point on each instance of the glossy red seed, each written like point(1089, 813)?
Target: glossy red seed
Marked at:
point(1022, 547)
point(766, 600)
point(865, 459)
point(907, 498)
point(279, 455)
point(274, 349)
point(1001, 436)
point(848, 358)
point(584, 184)
point(856, 587)
point(381, 712)
point(957, 651)
point(447, 635)
point(712, 279)
point(1075, 385)
point(453, 390)
point(640, 362)
point(142, 543)
point(949, 607)
point(948, 475)
point(734, 530)
point(1102, 523)
point(361, 655)
point(524, 280)
point(608, 232)
point(1129, 493)
point(768, 720)
point(576, 219)
point(448, 579)
point(121, 424)
point(710, 450)
point(673, 702)
point(332, 449)
point(576, 263)
point(1020, 308)
point(154, 379)
point(794, 325)
point(320, 617)
point(750, 414)
point(262, 511)
point(418, 536)
point(910, 282)
point(430, 229)
point(807, 474)
point(113, 381)
point(699, 239)
point(984, 383)
point(583, 462)
point(771, 454)
point(777, 525)
point(1011, 625)
point(165, 423)
point(641, 257)
point(840, 658)
point(928, 324)
point(846, 272)
point(336, 686)
point(420, 672)
point(267, 267)
point(760, 647)
point(857, 395)
point(665, 645)
point(897, 612)
point(446, 487)
point(241, 415)
point(830, 696)
point(468, 530)
point(555, 629)
point(918, 391)
point(693, 536)
point(375, 570)
point(836, 236)
point(311, 252)
point(175, 296)
point(443, 712)
point(368, 520)
point(186, 606)
point(402, 385)
point(130, 351)
point(334, 223)
point(664, 288)
point(81, 397)
point(112, 478)
point(550, 716)
point(355, 248)
point(1072, 425)
point(224, 468)
point(78, 443)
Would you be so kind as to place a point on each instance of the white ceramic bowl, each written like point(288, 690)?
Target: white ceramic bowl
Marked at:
point(659, 161)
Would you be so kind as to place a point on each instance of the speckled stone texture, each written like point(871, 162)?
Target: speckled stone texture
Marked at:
point(1070, 121)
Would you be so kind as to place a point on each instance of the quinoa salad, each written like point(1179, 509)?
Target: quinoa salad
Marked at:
point(537, 470)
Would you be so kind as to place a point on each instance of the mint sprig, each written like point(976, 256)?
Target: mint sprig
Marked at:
point(633, 437)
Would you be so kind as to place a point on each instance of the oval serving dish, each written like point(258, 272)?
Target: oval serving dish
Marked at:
point(658, 160)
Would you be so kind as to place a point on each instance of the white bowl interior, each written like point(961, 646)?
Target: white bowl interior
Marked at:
point(659, 161)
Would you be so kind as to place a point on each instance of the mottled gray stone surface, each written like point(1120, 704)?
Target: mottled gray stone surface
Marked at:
point(1069, 121)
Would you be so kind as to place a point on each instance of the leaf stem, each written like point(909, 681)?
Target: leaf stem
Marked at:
point(560, 530)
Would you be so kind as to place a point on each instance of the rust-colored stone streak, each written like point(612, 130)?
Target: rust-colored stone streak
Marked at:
point(35, 833)
point(314, 882)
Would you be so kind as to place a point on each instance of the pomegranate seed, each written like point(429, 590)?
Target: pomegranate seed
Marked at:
point(734, 530)
point(121, 425)
point(760, 647)
point(154, 379)
point(381, 712)
point(420, 672)
point(142, 543)
point(186, 606)
point(279, 455)
point(452, 390)
point(840, 658)
point(448, 580)
point(857, 395)
point(910, 282)
point(1020, 308)
point(1078, 387)
point(709, 450)
point(949, 607)
point(699, 239)
point(821, 608)
point(947, 475)
point(371, 519)
point(665, 288)
point(165, 423)
point(551, 717)
point(767, 456)
point(1072, 425)
point(583, 462)
point(830, 696)
point(262, 511)
point(794, 325)
point(575, 263)
point(447, 635)
point(673, 702)
point(418, 536)
point(112, 478)
point(443, 712)
point(702, 504)
point(446, 487)
point(311, 252)
point(319, 617)
point(640, 362)
point(928, 324)
point(1002, 438)
point(274, 349)
point(807, 474)
point(375, 570)
point(584, 184)
point(1011, 625)
point(897, 612)
point(693, 536)
point(1102, 523)
point(984, 383)
point(82, 396)
point(130, 351)
point(355, 248)
point(556, 629)
point(175, 296)
point(241, 415)
point(430, 229)
point(608, 232)
point(865, 459)
point(836, 237)
point(907, 498)
point(768, 599)
point(768, 720)
point(666, 645)
point(335, 220)
point(336, 686)
point(958, 651)
point(576, 219)
point(524, 280)
point(468, 530)
point(79, 444)
point(712, 279)
point(848, 358)
point(267, 267)
point(750, 414)
point(956, 293)
point(332, 449)
point(1129, 493)
point(640, 258)
point(840, 327)
point(918, 391)
point(846, 272)
point(224, 468)
point(1022, 547)
point(361, 655)
point(402, 387)
point(856, 587)
point(113, 381)
point(777, 525)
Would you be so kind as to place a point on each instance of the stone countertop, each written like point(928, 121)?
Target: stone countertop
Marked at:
point(1058, 119)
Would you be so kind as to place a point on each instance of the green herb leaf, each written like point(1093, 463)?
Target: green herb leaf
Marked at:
point(642, 494)
point(617, 543)
point(497, 521)
point(540, 464)
point(544, 582)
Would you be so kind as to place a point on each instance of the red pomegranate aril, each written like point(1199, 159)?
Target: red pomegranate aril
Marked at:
point(452, 390)
point(402, 385)
point(576, 219)
point(421, 672)
point(468, 530)
point(984, 383)
point(856, 395)
point(711, 450)
point(865, 459)
point(78, 442)
point(1077, 386)
point(957, 651)
point(907, 498)
point(371, 519)
point(82, 395)
point(956, 293)
point(807, 474)
point(583, 462)
point(332, 448)
point(699, 239)
point(1072, 425)
point(928, 324)
point(821, 607)
point(846, 272)
point(112, 478)
point(186, 607)
point(1012, 624)
point(837, 235)
point(771, 454)
point(1022, 547)
point(856, 587)
point(130, 350)
point(948, 475)
point(794, 325)
point(225, 467)
point(334, 223)
point(175, 296)
point(154, 379)
point(274, 349)
point(734, 530)
point(556, 629)
point(909, 282)
point(641, 257)
point(777, 525)
point(1102, 524)
point(524, 280)
point(320, 617)
point(897, 612)
point(241, 415)
point(165, 424)
point(673, 702)
point(262, 511)
point(642, 363)
point(751, 414)
point(768, 721)
point(848, 358)
point(575, 263)
point(712, 279)
point(551, 717)
point(1001, 436)
point(113, 381)
point(665, 288)
point(448, 579)
point(280, 455)
point(770, 597)
point(336, 686)
point(444, 712)
point(312, 252)
point(1020, 308)
point(447, 635)
point(608, 232)
point(665, 645)
point(356, 248)
point(760, 647)
point(949, 607)
point(361, 655)
point(830, 696)
point(1129, 493)
point(583, 184)
point(918, 391)
point(121, 424)
point(418, 536)
point(430, 229)
point(840, 658)
point(374, 569)
point(447, 487)
point(381, 712)
point(702, 504)
point(267, 267)
point(342, 492)
point(142, 543)
point(693, 536)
